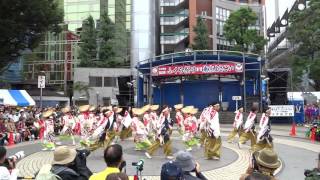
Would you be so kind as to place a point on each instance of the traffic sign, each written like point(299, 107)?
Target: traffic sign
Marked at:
point(236, 98)
point(41, 81)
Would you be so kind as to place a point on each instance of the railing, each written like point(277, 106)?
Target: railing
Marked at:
point(172, 20)
point(198, 52)
point(170, 2)
point(174, 38)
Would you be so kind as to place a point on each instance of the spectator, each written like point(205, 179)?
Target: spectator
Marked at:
point(63, 159)
point(113, 157)
point(315, 173)
point(5, 174)
point(171, 171)
point(3, 133)
point(265, 162)
point(117, 176)
point(188, 165)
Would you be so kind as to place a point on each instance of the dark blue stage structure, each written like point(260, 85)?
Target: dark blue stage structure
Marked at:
point(185, 78)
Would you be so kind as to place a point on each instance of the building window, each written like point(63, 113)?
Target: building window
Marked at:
point(95, 81)
point(110, 82)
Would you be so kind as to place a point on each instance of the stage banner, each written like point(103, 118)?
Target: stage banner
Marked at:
point(197, 69)
point(282, 110)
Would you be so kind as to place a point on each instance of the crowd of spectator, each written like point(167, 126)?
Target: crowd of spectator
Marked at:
point(312, 113)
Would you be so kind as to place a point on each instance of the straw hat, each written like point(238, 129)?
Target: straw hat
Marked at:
point(191, 107)
point(178, 106)
point(194, 111)
point(65, 109)
point(138, 111)
point(64, 155)
point(187, 110)
point(267, 158)
point(146, 107)
point(154, 107)
point(48, 113)
point(119, 109)
point(109, 108)
point(92, 108)
point(103, 108)
point(84, 108)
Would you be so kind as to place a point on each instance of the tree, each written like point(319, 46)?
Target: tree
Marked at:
point(82, 87)
point(22, 25)
point(201, 41)
point(304, 33)
point(238, 30)
point(106, 34)
point(88, 46)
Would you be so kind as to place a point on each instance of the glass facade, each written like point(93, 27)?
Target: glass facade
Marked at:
point(222, 15)
point(75, 11)
point(120, 10)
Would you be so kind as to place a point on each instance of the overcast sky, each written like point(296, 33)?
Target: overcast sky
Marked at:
point(270, 9)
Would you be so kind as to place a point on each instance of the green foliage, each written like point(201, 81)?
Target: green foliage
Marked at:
point(23, 23)
point(304, 32)
point(88, 46)
point(201, 40)
point(305, 29)
point(237, 29)
point(106, 34)
point(81, 87)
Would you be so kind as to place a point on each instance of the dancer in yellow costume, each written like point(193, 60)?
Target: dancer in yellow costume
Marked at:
point(213, 141)
point(264, 139)
point(237, 125)
point(162, 136)
point(139, 130)
point(249, 129)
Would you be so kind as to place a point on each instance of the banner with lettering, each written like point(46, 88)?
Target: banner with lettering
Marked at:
point(197, 69)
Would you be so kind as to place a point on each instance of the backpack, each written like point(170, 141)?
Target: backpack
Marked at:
point(171, 171)
point(45, 173)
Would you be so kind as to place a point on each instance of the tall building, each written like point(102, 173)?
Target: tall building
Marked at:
point(178, 18)
point(75, 11)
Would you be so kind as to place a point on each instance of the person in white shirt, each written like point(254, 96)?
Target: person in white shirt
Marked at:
point(213, 140)
point(237, 125)
point(264, 139)
point(5, 174)
point(249, 129)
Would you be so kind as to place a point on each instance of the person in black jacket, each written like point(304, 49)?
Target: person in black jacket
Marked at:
point(63, 163)
point(189, 167)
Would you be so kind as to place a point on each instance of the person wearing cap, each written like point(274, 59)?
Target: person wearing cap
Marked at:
point(249, 129)
point(188, 165)
point(264, 139)
point(179, 118)
point(190, 127)
point(204, 117)
point(139, 130)
point(63, 160)
point(49, 136)
point(265, 162)
point(213, 140)
point(69, 123)
point(237, 125)
point(163, 135)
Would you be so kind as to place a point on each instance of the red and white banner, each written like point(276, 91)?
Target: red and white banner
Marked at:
point(197, 69)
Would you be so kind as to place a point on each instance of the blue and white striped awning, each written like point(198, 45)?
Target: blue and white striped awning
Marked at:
point(16, 98)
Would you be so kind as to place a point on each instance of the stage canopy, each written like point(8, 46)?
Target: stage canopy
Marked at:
point(15, 98)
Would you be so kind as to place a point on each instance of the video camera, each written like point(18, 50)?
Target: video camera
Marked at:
point(19, 155)
point(138, 165)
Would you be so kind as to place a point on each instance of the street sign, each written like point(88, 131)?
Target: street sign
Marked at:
point(41, 81)
point(282, 110)
point(236, 98)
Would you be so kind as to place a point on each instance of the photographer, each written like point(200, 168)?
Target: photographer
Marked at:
point(113, 157)
point(264, 162)
point(185, 161)
point(7, 166)
point(66, 164)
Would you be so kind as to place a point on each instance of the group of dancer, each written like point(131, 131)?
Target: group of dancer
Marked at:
point(152, 127)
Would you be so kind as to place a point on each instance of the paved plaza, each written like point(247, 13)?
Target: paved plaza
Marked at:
point(296, 154)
